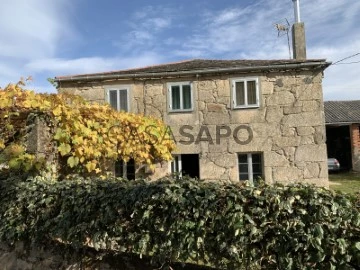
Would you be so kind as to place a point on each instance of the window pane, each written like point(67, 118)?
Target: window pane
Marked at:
point(175, 96)
point(257, 168)
point(244, 176)
point(130, 169)
point(243, 168)
point(186, 96)
point(113, 99)
point(256, 158)
point(251, 92)
point(240, 93)
point(243, 158)
point(119, 168)
point(123, 100)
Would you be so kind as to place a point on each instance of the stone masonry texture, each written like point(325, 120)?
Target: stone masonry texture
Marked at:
point(287, 128)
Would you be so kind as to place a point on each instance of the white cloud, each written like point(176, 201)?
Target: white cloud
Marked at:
point(238, 30)
point(141, 36)
point(60, 66)
point(153, 18)
point(248, 33)
point(31, 29)
point(6, 71)
point(157, 24)
point(147, 25)
point(341, 81)
point(34, 32)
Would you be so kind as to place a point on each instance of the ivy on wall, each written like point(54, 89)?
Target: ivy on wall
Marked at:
point(86, 135)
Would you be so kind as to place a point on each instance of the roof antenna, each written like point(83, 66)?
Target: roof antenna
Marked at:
point(283, 29)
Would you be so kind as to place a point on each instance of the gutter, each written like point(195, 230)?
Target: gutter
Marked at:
point(270, 68)
point(340, 123)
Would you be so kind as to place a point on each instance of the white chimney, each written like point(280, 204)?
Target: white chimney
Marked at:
point(297, 10)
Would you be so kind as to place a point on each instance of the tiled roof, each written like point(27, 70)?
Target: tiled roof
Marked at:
point(195, 65)
point(342, 111)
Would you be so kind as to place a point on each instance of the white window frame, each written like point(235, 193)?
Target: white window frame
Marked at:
point(176, 158)
point(118, 88)
point(180, 84)
point(125, 166)
point(250, 165)
point(245, 80)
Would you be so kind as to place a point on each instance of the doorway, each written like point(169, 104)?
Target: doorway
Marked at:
point(338, 145)
point(186, 164)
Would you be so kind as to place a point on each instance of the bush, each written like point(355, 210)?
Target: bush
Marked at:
point(223, 225)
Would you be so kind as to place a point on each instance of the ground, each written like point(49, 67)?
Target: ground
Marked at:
point(348, 182)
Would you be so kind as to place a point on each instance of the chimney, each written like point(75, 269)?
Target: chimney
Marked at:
point(298, 34)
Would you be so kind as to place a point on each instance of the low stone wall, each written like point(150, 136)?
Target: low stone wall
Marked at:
point(56, 256)
point(19, 257)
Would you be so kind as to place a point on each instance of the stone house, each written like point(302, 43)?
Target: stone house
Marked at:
point(342, 119)
point(231, 119)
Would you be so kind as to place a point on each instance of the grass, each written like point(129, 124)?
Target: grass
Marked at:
point(348, 182)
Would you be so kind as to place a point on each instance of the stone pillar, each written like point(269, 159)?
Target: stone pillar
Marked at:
point(39, 138)
point(355, 146)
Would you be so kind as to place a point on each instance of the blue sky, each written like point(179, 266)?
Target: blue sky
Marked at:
point(48, 38)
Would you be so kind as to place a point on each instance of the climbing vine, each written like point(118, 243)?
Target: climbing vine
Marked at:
point(86, 135)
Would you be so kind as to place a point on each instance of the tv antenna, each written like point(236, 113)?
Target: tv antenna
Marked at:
point(283, 28)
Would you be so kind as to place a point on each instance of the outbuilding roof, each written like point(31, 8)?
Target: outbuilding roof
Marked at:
point(341, 112)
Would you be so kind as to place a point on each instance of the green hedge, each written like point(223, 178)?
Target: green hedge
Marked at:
point(223, 225)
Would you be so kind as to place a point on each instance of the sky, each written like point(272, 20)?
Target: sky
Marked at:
point(47, 38)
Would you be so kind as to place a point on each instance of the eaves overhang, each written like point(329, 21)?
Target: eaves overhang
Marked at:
point(314, 65)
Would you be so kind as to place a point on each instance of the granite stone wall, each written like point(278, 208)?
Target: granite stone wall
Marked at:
point(56, 256)
point(288, 127)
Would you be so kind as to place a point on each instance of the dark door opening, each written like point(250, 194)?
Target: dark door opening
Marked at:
point(186, 164)
point(125, 169)
point(338, 145)
point(190, 165)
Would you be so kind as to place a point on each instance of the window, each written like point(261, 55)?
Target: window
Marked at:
point(180, 96)
point(245, 93)
point(176, 165)
point(118, 97)
point(186, 164)
point(125, 169)
point(250, 166)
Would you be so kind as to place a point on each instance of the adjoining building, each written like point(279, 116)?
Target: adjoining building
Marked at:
point(342, 120)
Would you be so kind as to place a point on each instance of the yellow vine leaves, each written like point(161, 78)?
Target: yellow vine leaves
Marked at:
point(87, 135)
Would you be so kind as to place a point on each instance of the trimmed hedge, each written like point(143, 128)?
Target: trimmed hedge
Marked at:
point(222, 225)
